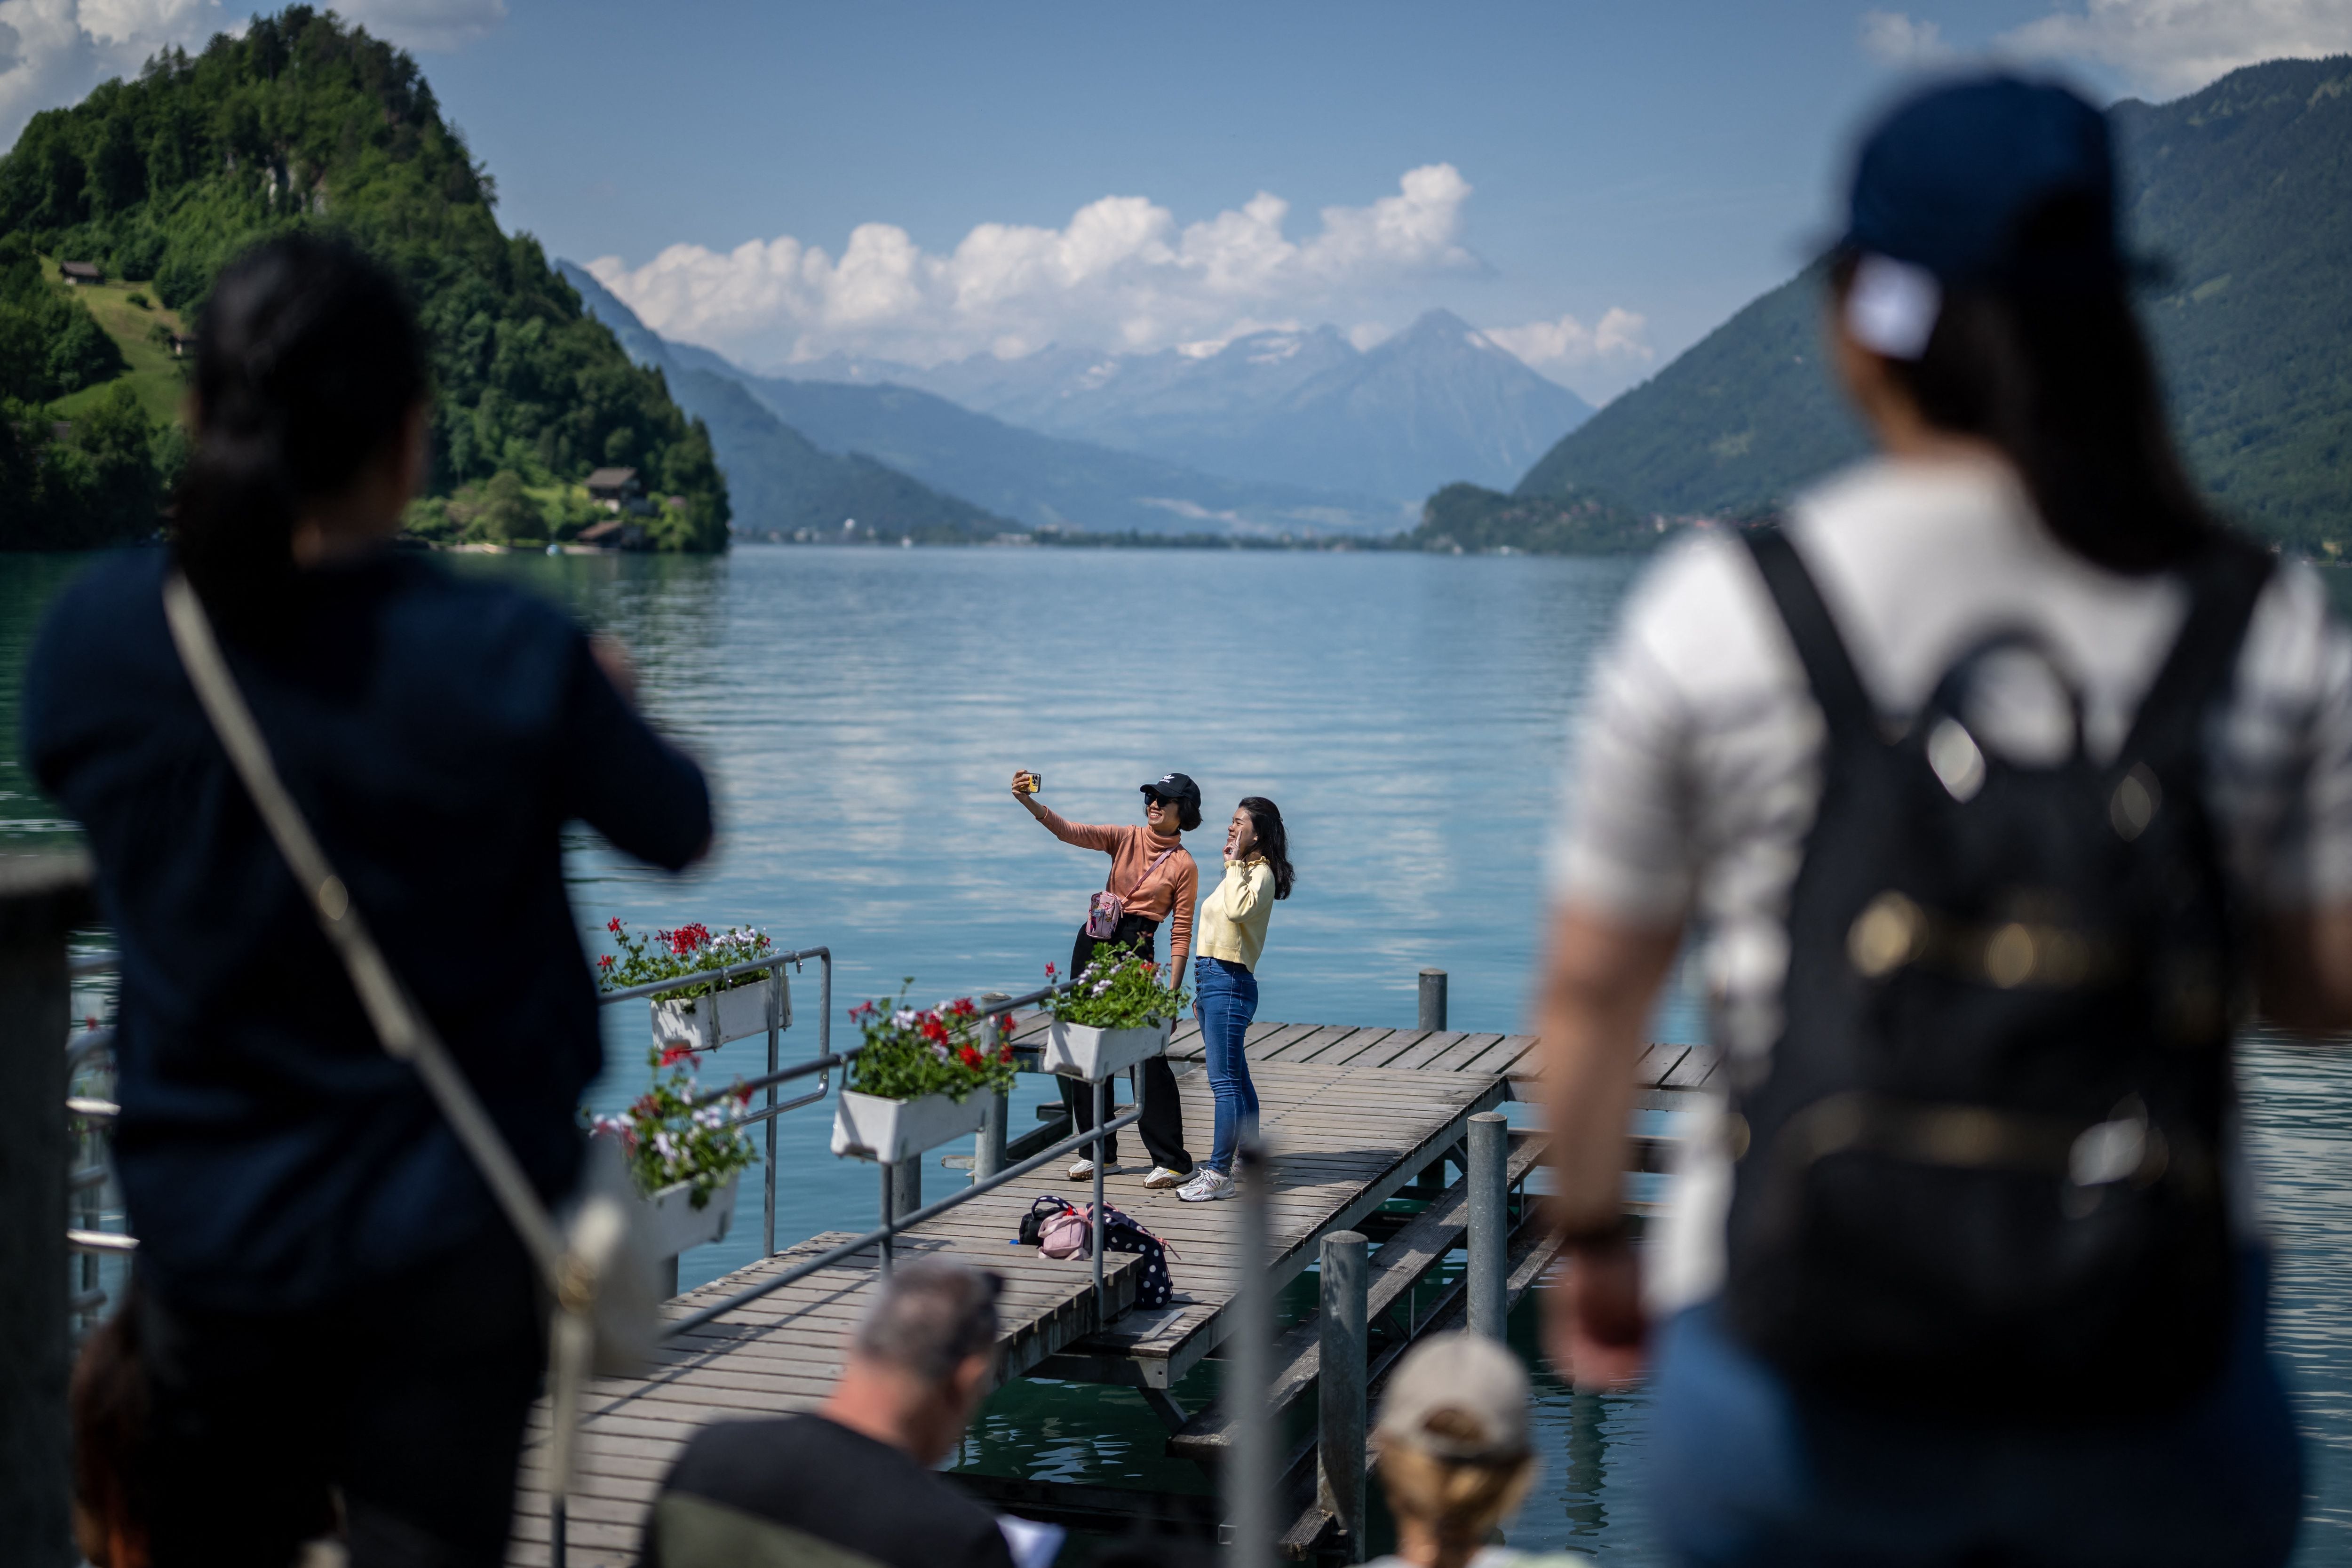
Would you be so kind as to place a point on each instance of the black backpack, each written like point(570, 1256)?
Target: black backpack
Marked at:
point(1978, 1176)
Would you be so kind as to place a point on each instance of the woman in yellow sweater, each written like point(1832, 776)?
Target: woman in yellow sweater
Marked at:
point(1228, 938)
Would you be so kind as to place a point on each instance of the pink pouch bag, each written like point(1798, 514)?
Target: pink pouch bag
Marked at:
point(1069, 1234)
point(1104, 910)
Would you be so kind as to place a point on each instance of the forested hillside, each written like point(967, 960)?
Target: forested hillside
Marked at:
point(306, 122)
point(2241, 192)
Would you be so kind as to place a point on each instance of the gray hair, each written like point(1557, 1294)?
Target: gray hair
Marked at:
point(933, 1315)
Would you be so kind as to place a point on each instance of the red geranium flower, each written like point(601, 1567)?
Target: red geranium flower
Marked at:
point(677, 1052)
point(968, 1057)
point(614, 925)
point(1005, 1052)
point(605, 961)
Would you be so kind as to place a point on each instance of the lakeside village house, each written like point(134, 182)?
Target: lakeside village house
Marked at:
point(622, 493)
point(76, 273)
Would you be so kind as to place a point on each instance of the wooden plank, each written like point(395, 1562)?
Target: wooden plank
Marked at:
point(1428, 1048)
point(1504, 1055)
point(1462, 1051)
point(1279, 1043)
point(1356, 1048)
point(1696, 1067)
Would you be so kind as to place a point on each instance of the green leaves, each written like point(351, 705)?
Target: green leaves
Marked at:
point(1120, 989)
point(689, 950)
point(667, 1141)
point(306, 123)
point(912, 1052)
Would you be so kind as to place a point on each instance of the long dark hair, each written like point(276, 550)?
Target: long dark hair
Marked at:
point(2051, 367)
point(1272, 843)
point(307, 362)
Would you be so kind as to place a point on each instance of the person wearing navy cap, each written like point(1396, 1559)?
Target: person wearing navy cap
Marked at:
point(1155, 880)
point(1992, 776)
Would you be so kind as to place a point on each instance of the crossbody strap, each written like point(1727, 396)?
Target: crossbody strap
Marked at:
point(397, 1020)
point(1146, 876)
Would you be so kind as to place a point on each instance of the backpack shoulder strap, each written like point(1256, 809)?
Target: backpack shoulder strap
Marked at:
point(2225, 582)
point(1828, 669)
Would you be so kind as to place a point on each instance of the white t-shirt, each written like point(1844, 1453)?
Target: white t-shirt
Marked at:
point(1698, 767)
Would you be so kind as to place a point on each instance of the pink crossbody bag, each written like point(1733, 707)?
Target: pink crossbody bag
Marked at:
point(1105, 908)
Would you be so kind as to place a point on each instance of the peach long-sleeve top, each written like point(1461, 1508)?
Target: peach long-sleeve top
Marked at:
point(1166, 894)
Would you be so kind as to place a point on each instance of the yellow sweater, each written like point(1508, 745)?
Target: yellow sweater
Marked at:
point(1232, 925)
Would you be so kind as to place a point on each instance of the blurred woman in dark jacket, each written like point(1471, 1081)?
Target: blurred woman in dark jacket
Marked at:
point(333, 1301)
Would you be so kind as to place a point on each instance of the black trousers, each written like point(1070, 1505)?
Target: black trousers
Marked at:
point(1163, 1114)
point(409, 1398)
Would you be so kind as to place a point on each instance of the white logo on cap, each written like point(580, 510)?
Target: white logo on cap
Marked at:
point(1167, 778)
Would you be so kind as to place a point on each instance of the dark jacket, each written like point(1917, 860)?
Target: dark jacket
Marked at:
point(438, 733)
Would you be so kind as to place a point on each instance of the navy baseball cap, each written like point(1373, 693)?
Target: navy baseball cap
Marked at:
point(1955, 177)
point(1176, 788)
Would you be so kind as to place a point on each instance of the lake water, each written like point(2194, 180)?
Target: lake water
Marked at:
point(861, 710)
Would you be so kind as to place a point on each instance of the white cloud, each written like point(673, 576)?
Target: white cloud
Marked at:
point(1568, 343)
point(2166, 48)
point(1900, 40)
point(52, 52)
point(1121, 275)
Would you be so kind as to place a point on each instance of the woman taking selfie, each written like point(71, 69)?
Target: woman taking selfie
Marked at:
point(1232, 934)
point(335, 1321)
point(1154, 881)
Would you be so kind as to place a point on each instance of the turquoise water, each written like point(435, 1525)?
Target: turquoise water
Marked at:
point(861, 712)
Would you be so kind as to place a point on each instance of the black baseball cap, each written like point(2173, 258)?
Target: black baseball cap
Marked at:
point(1176, 788)
point(1953, 177)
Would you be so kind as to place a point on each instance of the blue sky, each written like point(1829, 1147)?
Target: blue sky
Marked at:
point(1597, 184)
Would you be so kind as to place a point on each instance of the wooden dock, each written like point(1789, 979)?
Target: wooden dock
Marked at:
point(1351, 1118)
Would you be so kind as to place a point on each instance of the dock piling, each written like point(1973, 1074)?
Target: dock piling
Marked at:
point(1340, 1396)
point(1490, 1143)
point(1433, 999)
point(1101, 1089)
point(1249, 1475)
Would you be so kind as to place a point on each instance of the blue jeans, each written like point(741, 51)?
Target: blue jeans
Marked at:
point(1749, 1472)
point(1224, 998)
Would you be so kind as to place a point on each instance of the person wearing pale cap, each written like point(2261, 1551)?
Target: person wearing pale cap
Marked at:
point(1455, 1455)
point(1867, 1348)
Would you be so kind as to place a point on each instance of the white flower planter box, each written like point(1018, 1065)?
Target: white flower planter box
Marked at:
point(673, 1223)
point(1076, 1050)
point(707, 1022)
point(889, 1130)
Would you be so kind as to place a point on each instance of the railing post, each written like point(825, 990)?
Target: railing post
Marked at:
point(907, 1194)
point(1249, 1474)
point(1433, 999)
point(768, 1176)
point(889, 1214)
point(988, 1143)
point(1102, 1087)
point(1490, 1142)
point(40, 901)
point(1340, 1387)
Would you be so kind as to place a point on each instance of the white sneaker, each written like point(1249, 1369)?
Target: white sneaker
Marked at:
point(1207, 1185)
point(1162, 1178)
point(1083, 1170)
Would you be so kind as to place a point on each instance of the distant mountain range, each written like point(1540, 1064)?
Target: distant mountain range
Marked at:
point(2243, 192)
point(1439, 402)
point(957, 458)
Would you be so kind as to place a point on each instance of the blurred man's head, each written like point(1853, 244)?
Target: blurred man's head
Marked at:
point(922, 1359)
